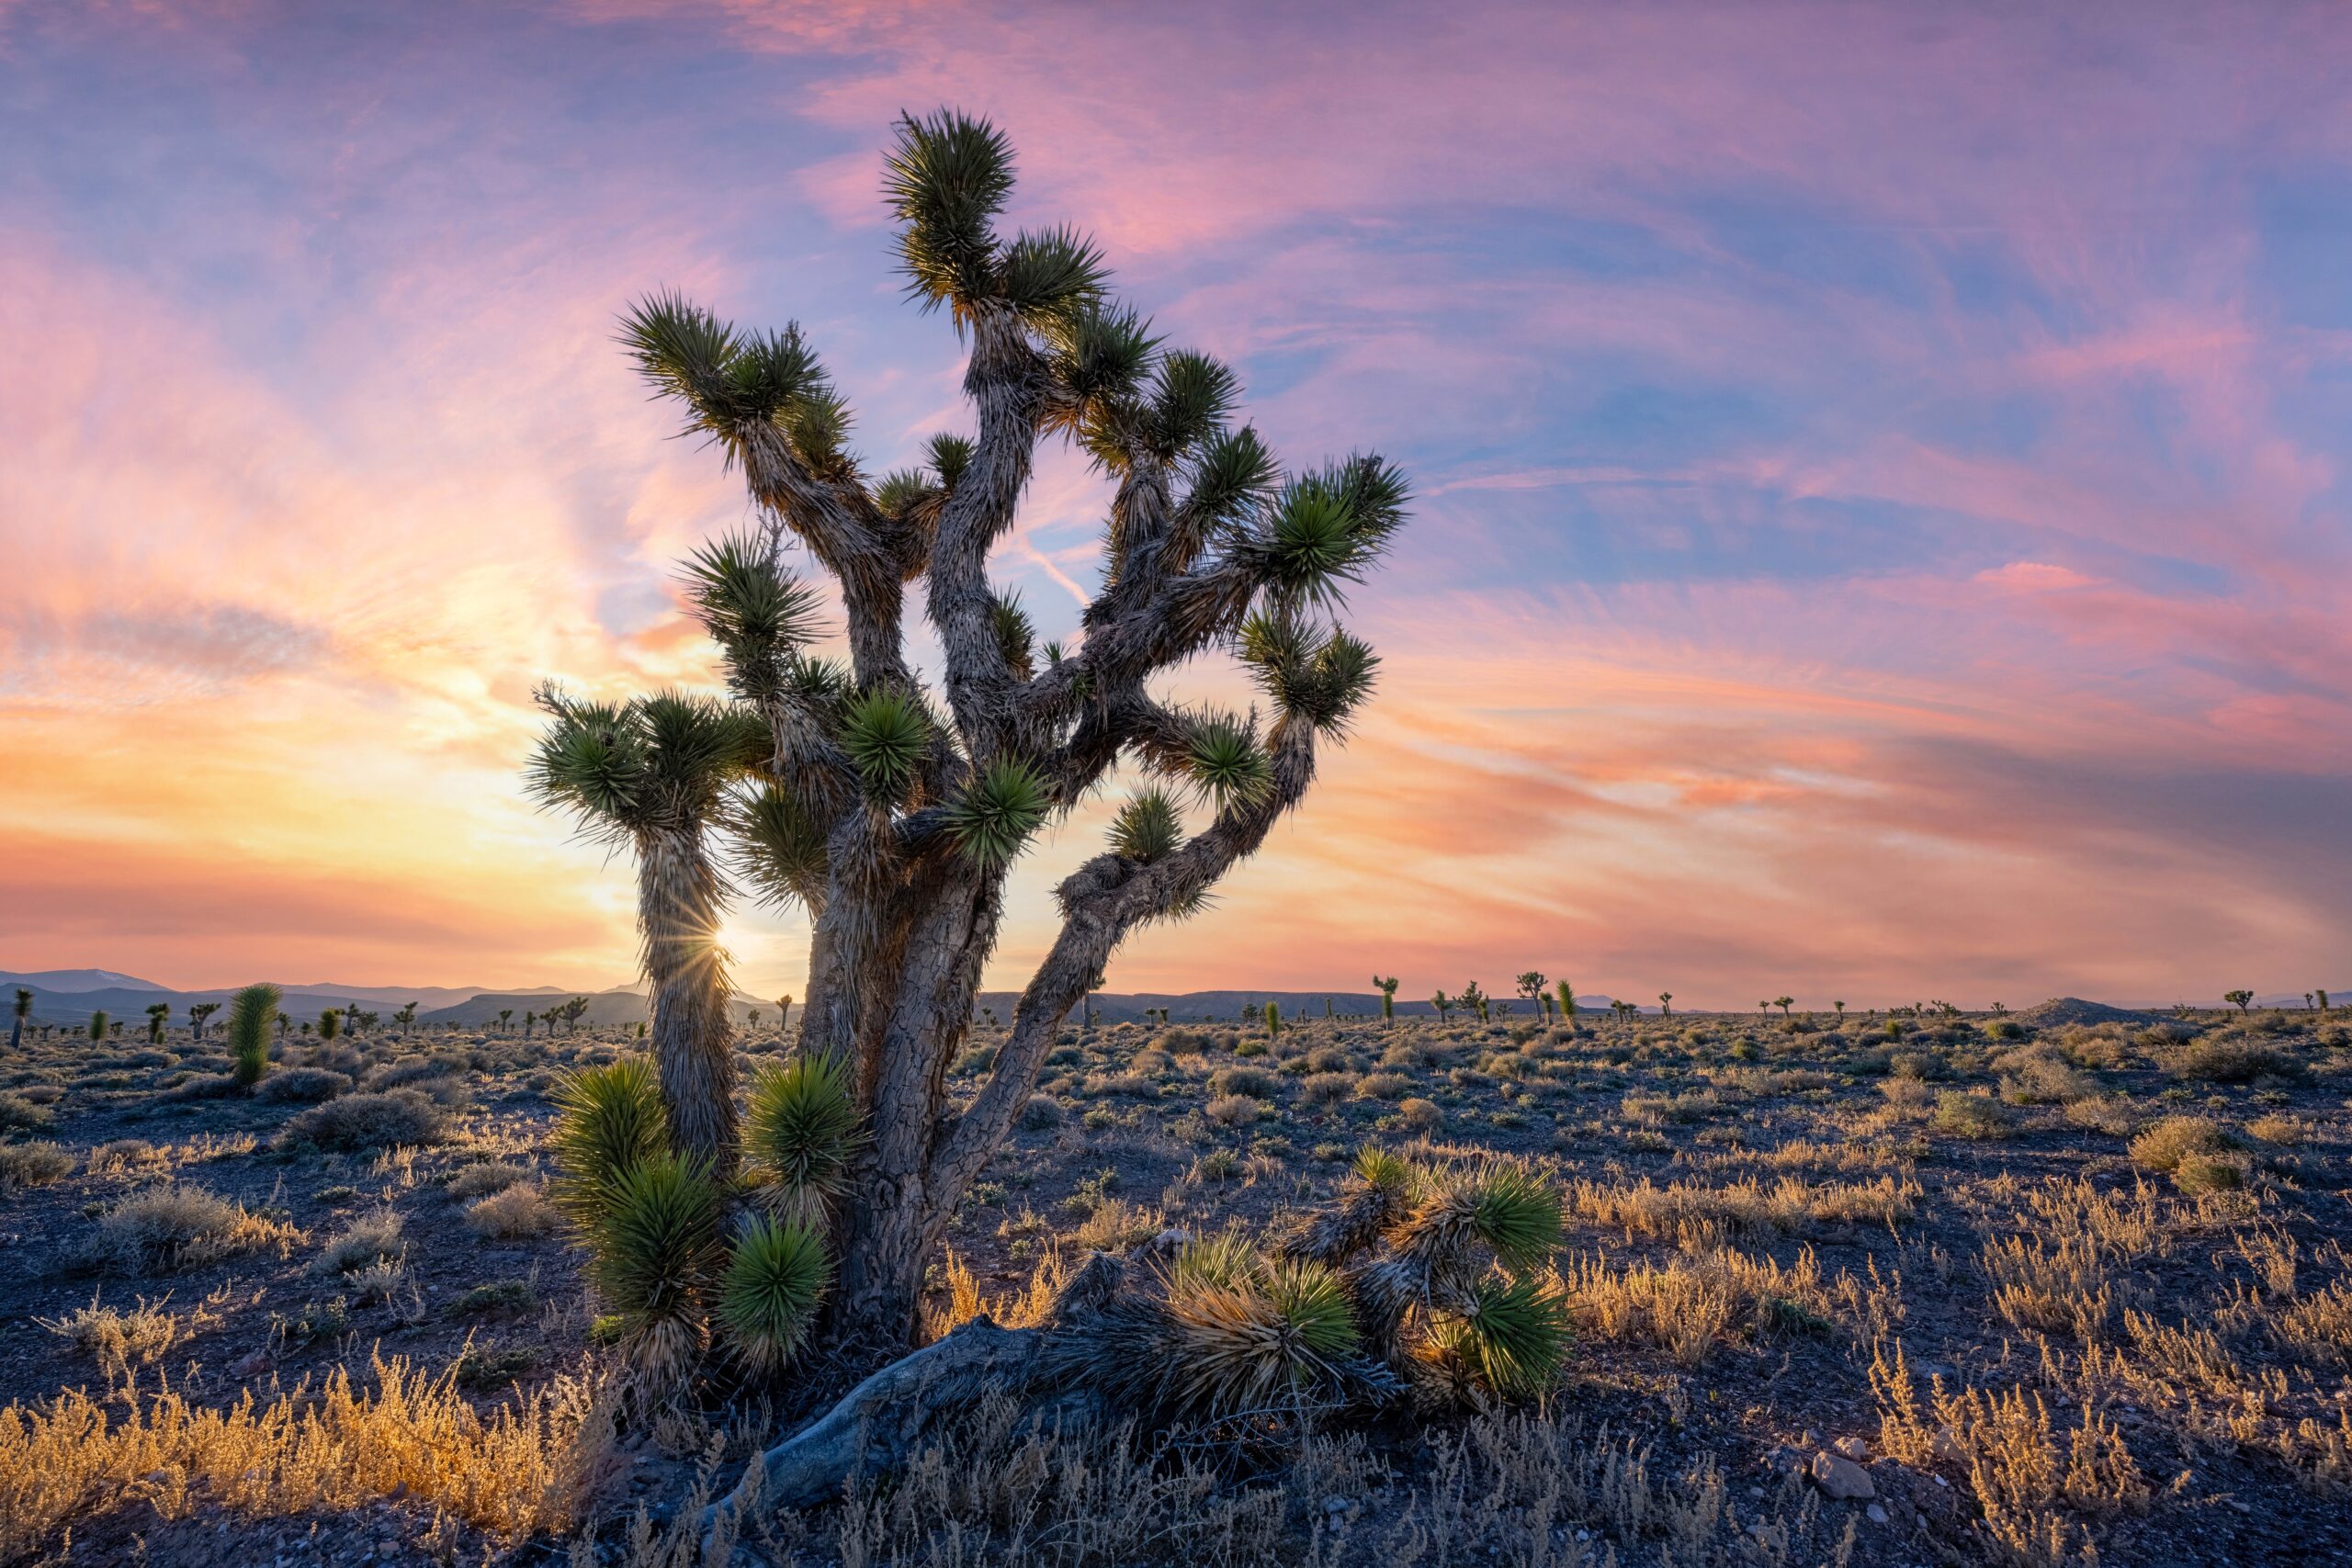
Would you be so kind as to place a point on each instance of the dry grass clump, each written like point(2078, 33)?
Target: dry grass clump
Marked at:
point(124, 1156)
point(376, 1237)
point(120, 1340)
point(2227, 1056)
point(175, 1227)
point(522, 1210)
point(481, 1179)
point(2030, 1486)
point(1696, 1300)
point(367, 1120)
point(19, 1114)
point(1384, 1085)
point(1255, 1082)
point(1234, 1109)
point(1973, 1114)
point(302, 1086)
point(32, 1164)
point(1743, 1208)
point(2199, 1155)
point(528, 1466)
point(1418, 1115)
point(2052, 1288)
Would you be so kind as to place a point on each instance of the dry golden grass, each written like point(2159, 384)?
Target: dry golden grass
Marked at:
point(522, 1210)
point(175, 1227)
point(526, 1467)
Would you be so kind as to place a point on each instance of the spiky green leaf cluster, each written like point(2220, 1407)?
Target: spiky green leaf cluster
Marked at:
point(946, 178)
point(802, 1132)
point(1515, 1332)
point(251, 1012)
point(768, 1297)
point(657, 763)
point(992, 819)
point(1516, 1213)
point(950, 455)
point(780, 847)
point(730, 381)
point(1324, 530)
point(609, 1119)
point(1148, 827)
point(655, 1253)
point(1225, 764)
point(1016, 634)
point(885, 733)
point(1320, 674)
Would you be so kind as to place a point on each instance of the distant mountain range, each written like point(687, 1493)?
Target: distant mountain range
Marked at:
point(70, 996)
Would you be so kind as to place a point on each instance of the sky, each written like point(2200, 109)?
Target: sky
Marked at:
point(1879, 532)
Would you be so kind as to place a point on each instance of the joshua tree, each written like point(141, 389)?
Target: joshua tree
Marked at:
point(2243, 999)
point(1665, 1004)
point(24, 1010)
point(504, 1016)
point(284, 1024)
point(1784, 1004)
point(158, 1014)
point(250, 1011)
point(1273, 1020)
point(894, 813)
point(405, 1016)
point(1531, 986)
point(2323, 1002)
point(197, 1013)
point(98, 1025)
point(1567, 994)
point(1445, 1005)
point(1387, 999)
point(329, 1023)
point(782, 1014)
point(529, 1019)
point(1841, 1009)
point(2307, 1001)
point(755, 1018)
point(1472, 999)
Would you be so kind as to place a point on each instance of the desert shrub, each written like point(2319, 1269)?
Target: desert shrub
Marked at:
point(1419, 1116)
point(412, 1070)
point(18, 1114)
point(376, 1237)
point(1923, 1065)
point(177, 1227)
point(205, 1086)
point(2164, 1146)
point(1234, 1109)
point(1973, 1114)
point(2041, 1074)
point(32, 1164)
point(2224, 1057)
point(521, 1210)
point(2286, 1131)
point(1323, 1088)
point(2108, 1114)
point(366, 1121)
point(480, 1180)
point(497, 1296)
point(1041, 1112)
point(120, 1341)
point(304, 1085)
point(1256, 1082)
point(975, 1059)
point(1383, 1086)
point(1130, 1086)
point(119, 1156)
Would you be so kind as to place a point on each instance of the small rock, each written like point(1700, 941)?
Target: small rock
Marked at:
point(1584, 1535)
point(252, 1365)
point(1335, 1505)
point(1841, 1478)
point(1809, 1438)
point(1875, 1513)
point(1853, 1448)
point(1173, 1239)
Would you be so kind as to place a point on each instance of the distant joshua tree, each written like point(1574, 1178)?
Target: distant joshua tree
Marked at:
point(24, 1010)
point(1784, 1004)
point(158, 1015)
point(1567, 994)
point(1472, 999)
point(2243, 999)
point(782, 1014)
point(505, 1017)
point(406, 1016)
point(529, 1020)
point(1841, 1009)
point(1445, 1005)
point(98, 1025)
point(1531, 986)
point(1273, 1020)
point(197, 1013)
point(2323, 1002)
point(1665, 1004)
point(1387, 999)
point(250, 1011)
point(329, 1023)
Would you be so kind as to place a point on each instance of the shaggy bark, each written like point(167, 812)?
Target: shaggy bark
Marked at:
point(693, 1036)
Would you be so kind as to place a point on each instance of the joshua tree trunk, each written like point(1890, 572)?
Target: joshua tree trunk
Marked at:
point(679, 908)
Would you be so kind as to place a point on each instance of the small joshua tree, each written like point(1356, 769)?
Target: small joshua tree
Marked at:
point(1273, 1020)
point(1470, 999)
point(505, 1016)
point(158, 1014)
point(1387, 999)
point(2323, 1002)
point(1665, 1004)
point(2242, 999)
point(1567, 994)
point(1531, 986)
point(23, 1010)
point(251, 1011)
point(329, 1023)
point(1445, 1005)
point(892, 811)
point(783, 1013)
point(98, 1022)
point(198, 1013)
point(1841, 1009)
point(1784, 1004)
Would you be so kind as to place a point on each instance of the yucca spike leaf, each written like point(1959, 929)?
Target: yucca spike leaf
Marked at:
point(1232, 474)
point(610, 1119)
point(992, 819)
point(776, 1280)
point(1225, 763)
point(949, 456)
point(945, 178)
point(1516, 1213)
point(1314, 1304)
point(1148, 827)
point(803, 1129)
point(781, 849)
point(1378, 1167)
point(1518, 1335)
point(654, 1255)
point(686, 352)
point(1190, 396)
point(899, 491)
point(1045, 277)
point(1016, 634)
point(1226, 1259)
point(885, 732)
